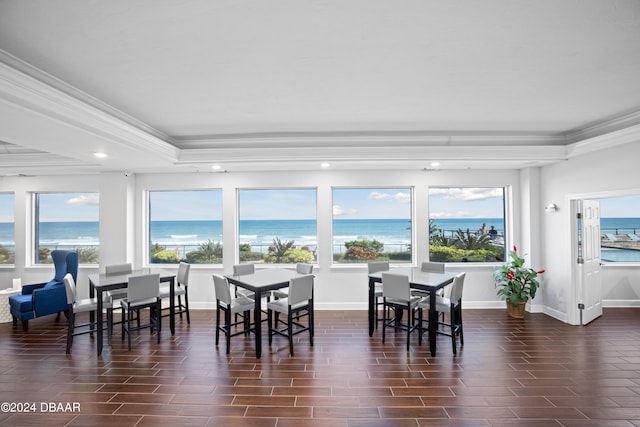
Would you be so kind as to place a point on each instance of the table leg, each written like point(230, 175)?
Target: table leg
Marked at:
point(257, 319)
point(98, 320)
point(92, 315)
point(372, 306)
point(172, 305)
point(433, 323)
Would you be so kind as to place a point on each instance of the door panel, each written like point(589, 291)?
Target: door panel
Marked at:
point(589, 268)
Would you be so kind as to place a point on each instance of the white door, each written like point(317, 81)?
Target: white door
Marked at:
point(588, 268)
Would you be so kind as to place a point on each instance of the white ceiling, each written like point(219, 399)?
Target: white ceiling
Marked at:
point(165, 85)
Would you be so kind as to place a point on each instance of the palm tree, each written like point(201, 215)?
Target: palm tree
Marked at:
point(210, 251)
point(279, 249)
point(469, 241)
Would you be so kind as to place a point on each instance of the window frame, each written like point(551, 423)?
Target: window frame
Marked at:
point(248, 258)
point(607, 262)
point(36, 225)
point(147, 230)
point(13, 222)
point(506, 231)
point(412, 220)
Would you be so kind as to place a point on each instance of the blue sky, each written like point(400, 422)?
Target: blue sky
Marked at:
point(277, 204)
point(189, 205)
point(348, 203)
point(620, 207)
point(6, 207)
point(371, 203)
point(69, 206)
point(466, 202)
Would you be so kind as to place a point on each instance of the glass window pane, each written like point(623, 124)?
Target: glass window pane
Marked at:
point(7, 229)
point(277, 226)
point(620, 229)
point(185, 226)
point(67, 221)
point(466, 224)
point(372, 224)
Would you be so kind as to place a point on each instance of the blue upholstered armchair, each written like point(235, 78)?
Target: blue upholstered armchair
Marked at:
point(40, 299)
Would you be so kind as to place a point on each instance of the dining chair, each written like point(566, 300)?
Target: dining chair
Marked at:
point(76, 306)
point(111, 270)
point(142, 292)
point(376, 267)
point(228, 304)
point(396, 295)
point(451, 305)
point(297, 305)
point(243, 270)
point(181, 289)
point(301, 268)
point(436, 267)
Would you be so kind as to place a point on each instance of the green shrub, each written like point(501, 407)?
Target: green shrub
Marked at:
point(6, 256)
point(246, 256)
point(88, 255)
point(359, 253)
point(299, 255)
point(399, 256)
point(453, 254)
point(165, 256)
point(208, 252)
point(370, 245)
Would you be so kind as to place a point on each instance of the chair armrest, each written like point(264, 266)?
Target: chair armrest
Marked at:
point(50, 300)
point(28, 289)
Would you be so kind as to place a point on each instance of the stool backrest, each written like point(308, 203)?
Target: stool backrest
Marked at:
point(183, 274)
point(377, 266)
point(143, 287)
point(456, 288)
point(221, 286)
point(303, 268)
point(300, 289)
point(436, 267)
point(396, 286)
point(70, 288)
point(110, 270)
point(243, 269)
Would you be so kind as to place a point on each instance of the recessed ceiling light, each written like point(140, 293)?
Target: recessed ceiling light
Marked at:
point(435, 164)
point(325, 165)
point(215, 167)
point(100, 155)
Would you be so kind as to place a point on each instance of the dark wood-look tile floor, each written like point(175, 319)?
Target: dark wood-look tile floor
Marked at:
point(532, 372)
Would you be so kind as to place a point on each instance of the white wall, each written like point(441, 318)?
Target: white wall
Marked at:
point(544, 237)
point(123, 211)
point(610, 172)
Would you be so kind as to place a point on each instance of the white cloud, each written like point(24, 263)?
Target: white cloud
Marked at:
point(337, 210)
point(403, 197)
point(459, 214)
point(92, 199)
point(468, 193)
point(379, 196)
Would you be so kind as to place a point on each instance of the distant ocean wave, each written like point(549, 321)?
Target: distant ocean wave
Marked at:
point(261, 233)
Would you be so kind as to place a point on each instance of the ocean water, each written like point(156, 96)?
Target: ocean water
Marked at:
point(260, 233)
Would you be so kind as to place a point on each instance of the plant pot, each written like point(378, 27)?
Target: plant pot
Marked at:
point(516, 311)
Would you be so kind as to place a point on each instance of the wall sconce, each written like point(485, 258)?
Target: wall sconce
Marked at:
point(551, 207)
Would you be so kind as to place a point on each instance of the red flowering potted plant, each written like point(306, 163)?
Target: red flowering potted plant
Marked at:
point(516, 284)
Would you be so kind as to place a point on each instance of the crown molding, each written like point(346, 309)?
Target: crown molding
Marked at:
point(359, 154)
point(629, 120)
point(601, 142)
point(33, 90)
point(363, 139)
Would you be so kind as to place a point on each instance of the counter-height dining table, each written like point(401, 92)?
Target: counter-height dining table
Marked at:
point(428, 281)
point(99, 283)
point(261, 282)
